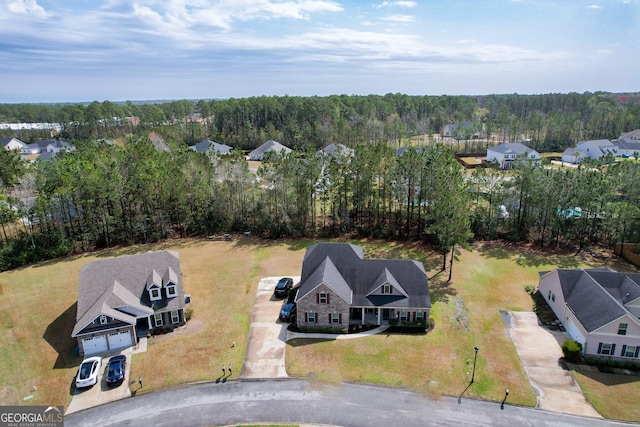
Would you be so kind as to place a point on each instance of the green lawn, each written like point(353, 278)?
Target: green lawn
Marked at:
point(37, 312)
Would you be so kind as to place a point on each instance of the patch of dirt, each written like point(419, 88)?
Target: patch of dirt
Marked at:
point(461, 315)
point(192, 326)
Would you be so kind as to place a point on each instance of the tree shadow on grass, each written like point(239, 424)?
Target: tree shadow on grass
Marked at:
point(58, 335)
point(609, 379)
point(439, 289)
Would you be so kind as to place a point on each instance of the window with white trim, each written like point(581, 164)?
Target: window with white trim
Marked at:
point(171, 291)
point(403, 316)
point(419, 315)
point(335, 318)
point(622, 329)
point(322, 298)
point(154, 294)
point(386, 289)
point(175, 316)
point(629, 351)
point(311, 317)
point(103, 319)
point(157, 319)
point(606, 348)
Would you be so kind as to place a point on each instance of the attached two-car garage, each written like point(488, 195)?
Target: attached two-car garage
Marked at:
point(105, 343)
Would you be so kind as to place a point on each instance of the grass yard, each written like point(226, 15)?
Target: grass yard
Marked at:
point(37, 312)
point(486, 280)
point(614, 396)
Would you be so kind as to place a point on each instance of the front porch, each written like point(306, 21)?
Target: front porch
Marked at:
point(370, 316)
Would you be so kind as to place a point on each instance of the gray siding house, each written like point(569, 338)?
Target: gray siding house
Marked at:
point(271, 145)
point(339, 288)
point(507, 153)
point(593, 149)
point(600, 309)
point(120, 298)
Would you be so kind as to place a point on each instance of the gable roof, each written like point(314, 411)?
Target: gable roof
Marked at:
point(344, 265)
point(634, 134)
point(208, 145)
point(334, 149)
point(56, 144)
point(7, 141)
point(107, 284)
point(627, 144)
point(512, 148)
point(270, 145)
point(597, 296)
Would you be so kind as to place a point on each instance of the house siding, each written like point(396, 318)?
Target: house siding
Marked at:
point(310, 303)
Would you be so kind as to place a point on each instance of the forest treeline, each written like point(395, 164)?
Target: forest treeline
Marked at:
point(124, 185)
point(549, 121)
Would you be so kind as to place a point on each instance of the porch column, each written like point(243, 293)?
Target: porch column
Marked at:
point(149, 322)
point(362, 315)
point(379, 316)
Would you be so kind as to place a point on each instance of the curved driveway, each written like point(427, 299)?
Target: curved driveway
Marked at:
point(297, 401)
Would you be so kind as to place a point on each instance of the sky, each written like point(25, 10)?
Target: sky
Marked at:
point(119, 50)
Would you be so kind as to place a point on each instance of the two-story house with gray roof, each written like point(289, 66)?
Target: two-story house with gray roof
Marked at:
point(339, 288)
point(507, 153)
point(119, 298)
point(600, 309)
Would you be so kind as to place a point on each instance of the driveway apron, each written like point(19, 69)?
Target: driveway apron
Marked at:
point(540, 353)
point(266, 347)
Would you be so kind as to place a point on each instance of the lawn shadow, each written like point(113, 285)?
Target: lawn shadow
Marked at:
point(58, 335)
point(607, 379)
point(440, 289)
point(299, 342)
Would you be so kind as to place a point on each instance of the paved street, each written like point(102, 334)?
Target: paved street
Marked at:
point(303, 402)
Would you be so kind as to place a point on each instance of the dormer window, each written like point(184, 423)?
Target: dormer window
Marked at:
point(103, 319)
point(154, 294)
point(171, 290)
point(386, 289)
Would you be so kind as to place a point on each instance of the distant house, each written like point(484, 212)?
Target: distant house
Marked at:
point(456, 129)
point(52, 146)
point(400, 151)
point(121, 298)
point(592, 149)
point(505, 154)
point(627, 147)
point(207, 145)
point(12, 144)
point(335, 150)
point(633, 135)
point(271, 145)
point(599, 308)
point(339, 288)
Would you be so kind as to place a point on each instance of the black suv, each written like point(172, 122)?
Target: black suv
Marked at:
point(283, 287)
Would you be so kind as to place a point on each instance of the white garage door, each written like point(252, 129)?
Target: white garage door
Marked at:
point(94, 345)
point(119, 340)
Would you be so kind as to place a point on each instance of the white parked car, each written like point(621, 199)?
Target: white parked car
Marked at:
point(88, 372)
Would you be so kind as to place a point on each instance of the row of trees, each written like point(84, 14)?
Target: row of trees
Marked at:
point(110, 194)
point(551, 121)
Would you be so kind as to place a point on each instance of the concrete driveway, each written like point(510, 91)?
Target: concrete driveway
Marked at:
point(101, 393)
point(540, 353)
point(267, 337)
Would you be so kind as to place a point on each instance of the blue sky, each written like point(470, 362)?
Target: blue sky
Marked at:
point(117, 50)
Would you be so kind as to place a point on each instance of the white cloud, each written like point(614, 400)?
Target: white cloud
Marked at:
point(594, 6)
point(407, 4)
point(399, 18)
point(26, 7)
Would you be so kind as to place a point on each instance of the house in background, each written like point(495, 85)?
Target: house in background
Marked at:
point(121, 298)
point(337, 150)
point(50, 146)
point(505, 154)
point(271, 145)
point(458, 130)
point(12, 144)
point(600, 309)
point(206, 146)
point(339, 288)
point(627, 147)
point(592, 149)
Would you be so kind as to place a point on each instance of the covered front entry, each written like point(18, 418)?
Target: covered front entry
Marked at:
point(370, 315)
point(94, 345)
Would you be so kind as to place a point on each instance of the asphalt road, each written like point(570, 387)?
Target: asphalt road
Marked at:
point(299, 401)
